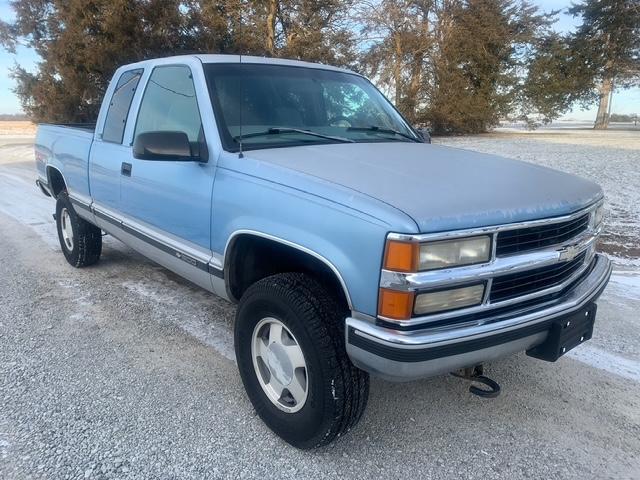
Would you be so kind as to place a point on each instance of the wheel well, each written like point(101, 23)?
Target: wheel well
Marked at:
point(251, 258)
point(56, 181)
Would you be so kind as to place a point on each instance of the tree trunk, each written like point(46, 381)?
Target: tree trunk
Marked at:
point(602, 119)
point(270, 41)
point(414, 87)
point(397, 70)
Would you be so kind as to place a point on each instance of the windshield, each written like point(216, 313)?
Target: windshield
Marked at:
point(280, 106)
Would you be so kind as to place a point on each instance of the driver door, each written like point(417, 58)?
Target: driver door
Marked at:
point(170, 200)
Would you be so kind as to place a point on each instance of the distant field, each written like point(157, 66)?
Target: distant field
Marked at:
point(17, 127)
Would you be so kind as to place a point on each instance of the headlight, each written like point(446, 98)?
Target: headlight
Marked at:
point(414, 257)
point(450, 299)
point(598, 216)
point(454, 253)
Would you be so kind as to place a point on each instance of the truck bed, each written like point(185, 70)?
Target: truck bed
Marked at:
point(66, 148)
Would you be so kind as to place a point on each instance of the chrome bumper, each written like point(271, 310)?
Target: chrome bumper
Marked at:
point(408, 355)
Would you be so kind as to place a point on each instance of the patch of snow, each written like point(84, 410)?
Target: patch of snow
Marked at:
point(215, 335)
point(220, 339)
point(602, 360)
point(333, 389)
point(24, 202)
point(151, 292)
point(625, 284)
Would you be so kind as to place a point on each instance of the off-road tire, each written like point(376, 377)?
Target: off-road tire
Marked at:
point(87, 238)
point(338, 391)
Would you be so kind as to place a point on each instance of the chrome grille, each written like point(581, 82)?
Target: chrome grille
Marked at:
point(514, 285)
point(531, 262)
point(532, 238)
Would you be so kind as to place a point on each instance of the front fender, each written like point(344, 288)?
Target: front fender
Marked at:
point(349, 240)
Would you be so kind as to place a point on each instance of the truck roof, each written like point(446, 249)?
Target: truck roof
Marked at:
point(223, 58)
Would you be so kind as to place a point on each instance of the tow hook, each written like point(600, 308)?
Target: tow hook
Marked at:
point(476, 375)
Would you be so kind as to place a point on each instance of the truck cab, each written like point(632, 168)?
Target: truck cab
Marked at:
point(351, 245)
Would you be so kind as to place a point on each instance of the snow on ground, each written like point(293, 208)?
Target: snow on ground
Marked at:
point(603, 360)
point(626, 284)
point(215, 334)
point(610, 158)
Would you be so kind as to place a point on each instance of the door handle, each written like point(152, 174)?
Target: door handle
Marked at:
point(126, 169)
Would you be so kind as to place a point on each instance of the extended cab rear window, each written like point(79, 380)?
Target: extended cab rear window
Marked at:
point(119, 106)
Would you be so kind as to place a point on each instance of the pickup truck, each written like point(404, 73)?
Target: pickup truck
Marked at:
point(351, 244)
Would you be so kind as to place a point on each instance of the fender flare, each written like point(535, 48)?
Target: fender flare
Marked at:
point(235, 234)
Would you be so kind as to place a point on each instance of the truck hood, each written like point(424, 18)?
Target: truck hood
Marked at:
point(441, 188)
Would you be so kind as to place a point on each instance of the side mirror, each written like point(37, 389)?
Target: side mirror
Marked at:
point(424, 134)
point(164, 146)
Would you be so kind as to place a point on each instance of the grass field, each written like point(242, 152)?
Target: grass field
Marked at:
point(17, 127)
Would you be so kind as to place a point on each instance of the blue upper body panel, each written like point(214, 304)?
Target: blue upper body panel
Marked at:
point(441, 188)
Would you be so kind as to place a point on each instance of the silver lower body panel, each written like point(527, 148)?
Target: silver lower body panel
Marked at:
point(408, 355)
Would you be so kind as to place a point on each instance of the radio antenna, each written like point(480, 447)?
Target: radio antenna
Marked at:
point(240, 155)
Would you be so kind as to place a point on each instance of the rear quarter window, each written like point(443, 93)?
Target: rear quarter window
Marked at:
point(119, 106)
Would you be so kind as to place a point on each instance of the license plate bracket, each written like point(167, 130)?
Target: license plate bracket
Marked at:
point(566, 333)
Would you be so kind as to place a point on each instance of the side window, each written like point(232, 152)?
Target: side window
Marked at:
point(119, 107)
point(169, 103)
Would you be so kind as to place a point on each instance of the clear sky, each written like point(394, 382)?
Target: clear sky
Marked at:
point(624, 101)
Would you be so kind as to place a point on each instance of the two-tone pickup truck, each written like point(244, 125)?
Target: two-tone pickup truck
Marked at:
point(351, 245)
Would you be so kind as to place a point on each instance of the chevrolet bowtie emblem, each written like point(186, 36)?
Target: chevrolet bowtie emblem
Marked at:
point(569, 253)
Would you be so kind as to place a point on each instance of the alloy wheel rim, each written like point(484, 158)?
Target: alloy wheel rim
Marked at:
point(67, 229)
point(279, 365)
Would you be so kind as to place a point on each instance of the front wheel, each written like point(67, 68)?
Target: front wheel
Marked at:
point(289, 342)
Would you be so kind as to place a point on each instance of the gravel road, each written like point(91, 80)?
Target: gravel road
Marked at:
point(123, 370)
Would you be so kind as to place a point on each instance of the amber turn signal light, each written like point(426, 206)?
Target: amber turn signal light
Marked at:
point(394, 304)
point(401, 256)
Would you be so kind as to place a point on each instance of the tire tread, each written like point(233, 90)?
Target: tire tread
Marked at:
point(324, 319)
point(87, 237)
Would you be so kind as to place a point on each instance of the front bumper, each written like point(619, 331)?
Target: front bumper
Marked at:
point(409, 355)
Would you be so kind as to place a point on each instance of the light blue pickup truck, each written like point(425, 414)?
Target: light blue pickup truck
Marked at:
point(351, 244)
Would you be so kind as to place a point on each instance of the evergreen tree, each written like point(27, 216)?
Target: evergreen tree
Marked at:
point(609, 42)
point(457, 65)
point(81, 43)
point(312, 30)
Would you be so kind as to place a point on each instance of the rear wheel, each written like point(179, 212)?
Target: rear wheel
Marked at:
point(81, 241)
point(289, 340)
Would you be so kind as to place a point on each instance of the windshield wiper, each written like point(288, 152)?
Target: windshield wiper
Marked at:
point(277, 131)
point(375, 129)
